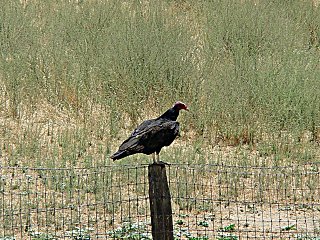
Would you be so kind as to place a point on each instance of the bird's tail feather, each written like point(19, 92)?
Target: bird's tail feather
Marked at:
point(119, 155)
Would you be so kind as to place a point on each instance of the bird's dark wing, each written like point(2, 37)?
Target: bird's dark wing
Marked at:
point(143, 126)
point(131, 145)
point(151, 137)
point(160, 135)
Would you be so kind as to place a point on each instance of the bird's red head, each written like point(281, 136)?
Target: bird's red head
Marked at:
point(180, 105)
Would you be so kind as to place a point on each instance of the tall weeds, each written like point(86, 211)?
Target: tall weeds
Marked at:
point(248, 69)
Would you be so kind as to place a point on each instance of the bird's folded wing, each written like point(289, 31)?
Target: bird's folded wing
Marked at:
point(147, 132)
point(143, 126)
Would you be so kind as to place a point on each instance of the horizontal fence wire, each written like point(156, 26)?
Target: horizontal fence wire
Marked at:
point(208, 202)
point(226, 202)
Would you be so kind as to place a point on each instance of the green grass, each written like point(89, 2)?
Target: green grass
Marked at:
point(77, 76)
point(82, 75)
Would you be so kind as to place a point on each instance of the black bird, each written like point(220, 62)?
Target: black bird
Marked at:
point(152, 135)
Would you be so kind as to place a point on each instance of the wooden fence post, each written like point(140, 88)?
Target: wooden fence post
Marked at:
point(160, 202)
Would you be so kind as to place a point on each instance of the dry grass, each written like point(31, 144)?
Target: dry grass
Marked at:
point(72, 89)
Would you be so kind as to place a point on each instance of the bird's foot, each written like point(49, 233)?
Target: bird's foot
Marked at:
point(163, 163)
point(156, 160)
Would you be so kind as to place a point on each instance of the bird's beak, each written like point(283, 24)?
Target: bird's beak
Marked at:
point(187, 109)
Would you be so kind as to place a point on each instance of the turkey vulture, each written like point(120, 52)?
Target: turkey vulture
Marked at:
point(152, 135)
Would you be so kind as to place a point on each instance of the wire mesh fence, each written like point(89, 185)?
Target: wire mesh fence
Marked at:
point(208, 202)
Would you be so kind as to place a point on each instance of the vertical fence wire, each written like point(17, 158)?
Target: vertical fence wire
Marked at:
point(208, 202)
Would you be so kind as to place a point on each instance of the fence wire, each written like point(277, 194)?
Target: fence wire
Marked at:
point(208, 202)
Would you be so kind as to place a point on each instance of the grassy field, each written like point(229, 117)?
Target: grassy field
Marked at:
point(76, 77)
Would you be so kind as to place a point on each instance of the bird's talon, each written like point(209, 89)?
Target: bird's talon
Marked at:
point(163, 163)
